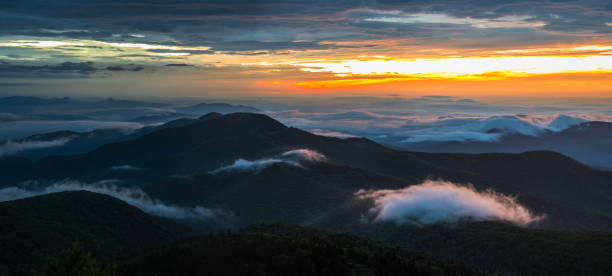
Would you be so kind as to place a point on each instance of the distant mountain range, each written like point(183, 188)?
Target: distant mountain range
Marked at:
point(587, 142)
point(25, 116)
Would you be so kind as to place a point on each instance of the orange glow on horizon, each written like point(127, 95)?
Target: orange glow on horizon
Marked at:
point(581, 72)
point(584, 84)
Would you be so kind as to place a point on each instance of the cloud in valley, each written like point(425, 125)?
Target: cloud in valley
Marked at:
point(439, 201)
point(133, 196)
point(125, 168)
point(11, 147)
point(304, 155)
point(19, 129)
point(293, 157)
point(402, 122)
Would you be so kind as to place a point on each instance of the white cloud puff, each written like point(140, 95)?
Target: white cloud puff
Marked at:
point(440, 201)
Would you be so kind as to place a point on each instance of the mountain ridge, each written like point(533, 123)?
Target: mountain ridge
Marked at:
point(200, 146)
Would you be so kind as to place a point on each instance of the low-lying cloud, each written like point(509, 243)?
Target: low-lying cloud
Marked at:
point(20, 129)
point(407, 122)
point(125, 168)
point(11, 147)
point(303, 155)
point(133, 196)
point(440, 201)
point(293, 157)
point(485, 129)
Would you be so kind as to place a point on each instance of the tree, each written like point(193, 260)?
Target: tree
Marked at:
point(73, 262)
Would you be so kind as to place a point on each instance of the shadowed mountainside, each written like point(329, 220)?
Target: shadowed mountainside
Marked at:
point(35, 228)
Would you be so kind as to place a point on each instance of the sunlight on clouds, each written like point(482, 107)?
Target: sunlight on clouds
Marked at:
point(141, 46)
point(593, 48)
point(294, 70)
point(347, 82)
point(463, 67)
point(83, 42)
point(172, 54)
point(558, 50)
point(511, 21)
point(98, 51)
point(38, 44)
point(154, 46)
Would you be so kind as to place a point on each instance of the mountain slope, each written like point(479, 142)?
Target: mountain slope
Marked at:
point(506, 249)
point(319, 194)
point(544, 172)
point(35, 228)
point(279, 249)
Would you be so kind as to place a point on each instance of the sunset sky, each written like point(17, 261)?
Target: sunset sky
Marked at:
point(233, 49)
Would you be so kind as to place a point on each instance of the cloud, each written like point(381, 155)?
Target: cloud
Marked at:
point(439, 201)
point(337, 134)
point(178, 65)
point(18, 129)
point(124, 68)
point(7, 117)
point(303, 155)
point(83, 68)
point(253, 166)
point(486, 129)
point(133, 196)
point(243, 26)
point(293, 157)
point(76, 69)
point(427, 18)
point(125, 168)
point(433, 119)
point(11, 147)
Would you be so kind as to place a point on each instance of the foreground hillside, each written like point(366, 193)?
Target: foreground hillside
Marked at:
point(506, 249)
point(279, 249)
point(35, 228)
point(140, 244)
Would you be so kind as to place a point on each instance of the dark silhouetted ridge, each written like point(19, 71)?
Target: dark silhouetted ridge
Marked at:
point(37, 227)
point(210, 116)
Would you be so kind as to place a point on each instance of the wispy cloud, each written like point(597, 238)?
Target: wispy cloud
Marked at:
point(133, 196)
point(125, 168)
point(439, 201)
point(11, 147)
point(293, 157)
point(508, 21)
point(18, 129)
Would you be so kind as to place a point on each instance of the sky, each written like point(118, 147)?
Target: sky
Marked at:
point(319, 49)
